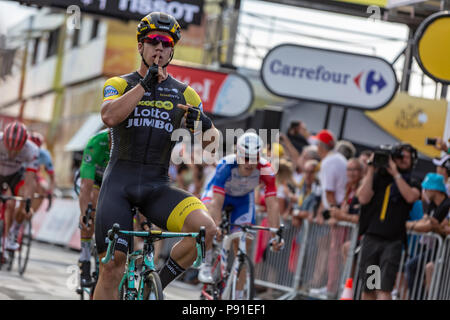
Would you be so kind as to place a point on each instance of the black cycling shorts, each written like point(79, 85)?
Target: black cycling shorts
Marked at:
point(128, 184)
point(13, 181)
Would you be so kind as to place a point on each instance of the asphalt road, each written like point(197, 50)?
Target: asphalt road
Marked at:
point(52, 275)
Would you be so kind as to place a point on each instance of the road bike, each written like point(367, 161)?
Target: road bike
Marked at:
point(24, 236)
point(87, 290)
point(140, 280)
point(227, 278)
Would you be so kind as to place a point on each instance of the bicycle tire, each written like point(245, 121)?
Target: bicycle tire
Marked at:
point(95, 273)
point(123, 290)
point(2, 244)
point(24, 240)
point(152, 287)
point(244, 263)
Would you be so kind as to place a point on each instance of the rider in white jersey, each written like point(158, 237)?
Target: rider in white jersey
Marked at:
point(233, 183)
point(18, 167)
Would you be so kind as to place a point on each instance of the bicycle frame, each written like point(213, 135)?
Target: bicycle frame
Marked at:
point(147, 253)
point(225, 252)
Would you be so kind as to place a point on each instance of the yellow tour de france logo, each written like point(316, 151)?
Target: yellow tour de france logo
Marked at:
point(432, 46)
point(167, 105)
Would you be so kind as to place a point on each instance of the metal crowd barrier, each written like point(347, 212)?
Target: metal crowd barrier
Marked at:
point(313, 262)
point(318, 259)
point(441, 286)
point(419, 269)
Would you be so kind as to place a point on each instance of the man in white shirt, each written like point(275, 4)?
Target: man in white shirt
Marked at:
point(333, 179)
point(333, 168)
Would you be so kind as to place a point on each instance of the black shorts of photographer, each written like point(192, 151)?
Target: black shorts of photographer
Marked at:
point(387, 194)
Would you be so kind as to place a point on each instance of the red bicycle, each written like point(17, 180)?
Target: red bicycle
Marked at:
point(23, 238)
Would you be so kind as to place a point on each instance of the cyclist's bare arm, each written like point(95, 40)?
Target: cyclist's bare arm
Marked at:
point(215, 207)
point(273, 215)
point(87, 185)
point(115, 111)
point(30, 184)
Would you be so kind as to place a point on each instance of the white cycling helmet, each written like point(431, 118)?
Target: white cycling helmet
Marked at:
point(249, 145)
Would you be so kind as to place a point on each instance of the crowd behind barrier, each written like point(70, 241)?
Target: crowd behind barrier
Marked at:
point(322, 235)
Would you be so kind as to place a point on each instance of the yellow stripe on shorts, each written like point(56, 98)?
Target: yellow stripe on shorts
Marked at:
point(182, 210)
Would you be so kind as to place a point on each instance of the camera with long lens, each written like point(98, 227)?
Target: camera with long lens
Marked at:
point(381, 156)
point(384, 152)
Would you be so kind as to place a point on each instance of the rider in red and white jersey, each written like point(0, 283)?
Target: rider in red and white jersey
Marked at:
point(18, 167)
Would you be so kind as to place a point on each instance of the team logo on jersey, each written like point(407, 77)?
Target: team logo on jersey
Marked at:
point(110, 91)
point(87, 158)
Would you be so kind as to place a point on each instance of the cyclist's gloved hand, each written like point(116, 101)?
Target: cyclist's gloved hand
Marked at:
point(194, 114)
point(275, 245)
point(151, 77)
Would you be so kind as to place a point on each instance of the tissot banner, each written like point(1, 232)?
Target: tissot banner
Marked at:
point(223, 94)
point(328, 76)
point(185, 11)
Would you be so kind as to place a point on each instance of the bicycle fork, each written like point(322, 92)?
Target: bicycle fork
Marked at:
point(235, 268)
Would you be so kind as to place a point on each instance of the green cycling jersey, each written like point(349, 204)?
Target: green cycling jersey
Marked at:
point(96, 157)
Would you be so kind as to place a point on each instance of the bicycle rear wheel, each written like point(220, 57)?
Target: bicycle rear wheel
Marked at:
point(24, 240)
point(152, 287)
point(2, 244)
point(243, 277)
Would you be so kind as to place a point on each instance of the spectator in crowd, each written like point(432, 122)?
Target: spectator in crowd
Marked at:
point(285, 188)
point(386, 195)
point(346, 148)
point(349, 210)
point(309, 152)
point(435, 220)
point(308, 194)
point(332, 174)
point(443, 168)
point(298, 135)
point(184, 177)
point(364, 158)
point(333, 179)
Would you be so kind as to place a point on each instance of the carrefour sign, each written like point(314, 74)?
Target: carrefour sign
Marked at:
point(328, 76)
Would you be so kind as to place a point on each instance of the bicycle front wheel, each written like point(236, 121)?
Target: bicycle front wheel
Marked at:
point(24, 240)
point(242, 279)
point(152, 287)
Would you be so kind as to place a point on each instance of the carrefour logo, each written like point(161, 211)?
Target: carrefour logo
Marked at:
point(371, 82)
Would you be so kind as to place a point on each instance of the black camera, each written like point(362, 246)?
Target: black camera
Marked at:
point(381, 156)
point(384, 152)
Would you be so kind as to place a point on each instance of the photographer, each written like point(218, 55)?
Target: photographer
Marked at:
point(386, 194)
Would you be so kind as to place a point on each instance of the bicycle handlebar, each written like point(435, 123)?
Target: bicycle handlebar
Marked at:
point(113, 235)
point(27, 201)
point(201, 247)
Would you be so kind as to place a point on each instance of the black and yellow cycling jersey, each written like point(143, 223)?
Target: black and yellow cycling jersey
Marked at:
point(137, 173)
point(144, 136)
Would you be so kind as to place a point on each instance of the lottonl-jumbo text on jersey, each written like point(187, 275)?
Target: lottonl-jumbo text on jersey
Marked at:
point(227, 179)
point(145, 136)
point(27, 158)
point(95, 157)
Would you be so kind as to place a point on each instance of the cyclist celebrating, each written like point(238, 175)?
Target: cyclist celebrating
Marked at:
point(94, 162)
point(45, 159)
point(233, 183)
point(18, 167)
point(143, 109)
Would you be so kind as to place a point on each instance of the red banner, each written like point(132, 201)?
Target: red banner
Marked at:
point(221, 93)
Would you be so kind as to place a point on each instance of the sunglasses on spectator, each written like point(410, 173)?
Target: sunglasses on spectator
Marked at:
point(155, 39)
